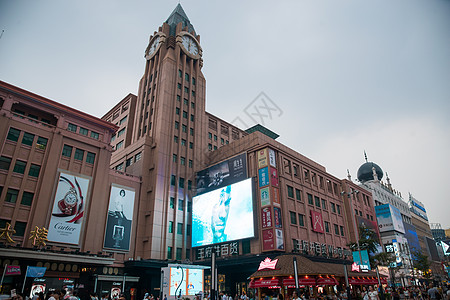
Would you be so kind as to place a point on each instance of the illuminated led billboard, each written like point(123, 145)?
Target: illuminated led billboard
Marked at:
point(183, 280)
point(223, 215)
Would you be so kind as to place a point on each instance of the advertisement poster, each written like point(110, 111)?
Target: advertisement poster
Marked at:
point(411, 236)
point(266, 217)
point(120, 218)
point(365, 264)
point(223, 215)
point(277, 217)
point(116, 290)
point(274, 176)
point(38, 286)
point(262, 158)
point(316, 220)
point(389, 218)
point(279, 239)
point(268, 239)
point(265, 196)
point(68, 209)
point(272, 158)
point(276, 196)
point(263, 177)
point(366, 223)
point(194, 281)
point(177, 282)
point(222, 174)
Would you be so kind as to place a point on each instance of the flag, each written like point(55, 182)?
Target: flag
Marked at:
point(12, 270)
point(36, 271)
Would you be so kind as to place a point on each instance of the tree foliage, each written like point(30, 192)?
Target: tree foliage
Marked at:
point(421, 262)
point(368, 240)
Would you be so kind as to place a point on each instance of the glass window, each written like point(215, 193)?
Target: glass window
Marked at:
point(90, 157)
point(181, 183)
point(215, 137)
point(179, 86)
point(186, 77)
point(34, 170)
point(27, 198)
point(189, 206)
point(178, 254)
point(293, 218)
point(222, 141)
point(170, 227)
point(186, 90)
point(310, 199)
point(128, 162)
point(209, 135)
point(180, 204)
point(188, 231)
point(245, 246)
point(173, 180)
point(333, 207)
point(191, 145)
point(189, 184)
point(20, 167)
point(120, 144)
point(169, 252)
point(193, 80)
point(174, 158)
point(327, 226)
point(317, 200)
point(191, 131)
point(210, 147)
point(301, 220)
point(177, 110)
point(184, 128)
point(72, 127)
point(324, 204)
point(179, 228)
point(298, 194)
point(183, 142)
point(180, 73)
point(11, 196)
point(190, 163)
point(13, 134)
point(95, 135)
point(121, 131)
point(182, 161)
point(336, 229)
point(137, 156)
point(119, 167)
point(28, 139)
point(192, 118)
point(342, 230)
point(290, 191)
point(123, 120)
point(20, 227)
point(41, 143)
point(192, 105)
point(172, 202)
point(67, 151)
point(79, 154)
point(175, 139)
point(5, 163)
point(83, 131)
point(177, 125)
point(338, 208)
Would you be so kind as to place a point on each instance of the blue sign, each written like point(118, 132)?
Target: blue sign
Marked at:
point(36, 271)
point(365, 264)
point(263, 176)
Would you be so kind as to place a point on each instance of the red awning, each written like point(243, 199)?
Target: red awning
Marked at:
point(301, 281)
point(366, 280)
point(356, 281)
point(265, 282)
point(327, 281)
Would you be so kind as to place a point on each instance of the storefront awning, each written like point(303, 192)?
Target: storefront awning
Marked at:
point(366, 280)
point(327, 281)
point(301, 281)
point(255, 283)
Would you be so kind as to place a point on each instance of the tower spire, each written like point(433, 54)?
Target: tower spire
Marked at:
point(348, 175)
point(365, 155)
point(179, 16)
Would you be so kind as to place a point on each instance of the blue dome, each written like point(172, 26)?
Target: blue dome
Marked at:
point(365, 172)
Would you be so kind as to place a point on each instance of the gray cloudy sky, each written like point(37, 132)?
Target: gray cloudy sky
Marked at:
point(348, 76)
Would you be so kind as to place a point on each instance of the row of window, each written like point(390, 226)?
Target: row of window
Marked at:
point(83, 131)
point(173, 182)
point(27, 138)
point(186, 76)
point(222, 140)
point(19, 227)
point(186, 90)
point(313, 200)
point(19, 167)
point(368, 217)
point(180, 228)
point(184, 128)
point(180, 204)
point(178, 254)
point(79, 154)
point(13, 194)
point(338, 230)
point(183, 142)
point(185, 114)
point(129, 161)
point(182, 160)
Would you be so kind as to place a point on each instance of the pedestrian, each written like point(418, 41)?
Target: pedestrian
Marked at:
point(432, 292)
point(373, 294)
point(295, 296)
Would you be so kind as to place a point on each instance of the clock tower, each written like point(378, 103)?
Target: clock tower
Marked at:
point(169, 126)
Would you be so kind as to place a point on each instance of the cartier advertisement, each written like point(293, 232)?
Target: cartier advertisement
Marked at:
point(69, 207)
point(120, 218)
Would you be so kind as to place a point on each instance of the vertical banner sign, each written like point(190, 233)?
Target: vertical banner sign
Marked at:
point(265, 196)
point(279, 239)
point(266, 217)
point(268, 239)
point(277, 217)
point(262, 158)
point(274, 176)
point(120, 218)
point(276, 196)
point(316, 220)
point(68, 209)
point(263, 177)
point(272, 158)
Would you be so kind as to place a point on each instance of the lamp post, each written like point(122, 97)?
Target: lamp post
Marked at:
point(355, 228)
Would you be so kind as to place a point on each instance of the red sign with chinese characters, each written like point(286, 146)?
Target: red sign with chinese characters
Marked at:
point(266, 217)
point(268, 239)
point(274, 176)
point(316, 220)
point(276, 196)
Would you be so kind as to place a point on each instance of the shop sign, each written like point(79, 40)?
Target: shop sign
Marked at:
point(222, 250)
point(12, 270)
point(317, 223)
point(268, 239)
point(266, 217)
point(263, 176)
point(276, 196)
point(268, 264)
point(274, 176)
point(314, 248)
point(277, 217)
point(279, 239)
point(265, 196)
point(272, 159)
point(262, 158)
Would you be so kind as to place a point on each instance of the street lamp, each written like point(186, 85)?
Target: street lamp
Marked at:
point(355, 229)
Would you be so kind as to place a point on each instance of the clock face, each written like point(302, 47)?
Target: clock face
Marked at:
point(70, 199)
point(154, 46)
point(190, 45)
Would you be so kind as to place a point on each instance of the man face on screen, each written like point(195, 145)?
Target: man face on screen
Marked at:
point(220, 215)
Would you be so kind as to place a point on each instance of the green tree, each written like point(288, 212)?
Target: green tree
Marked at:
point(368, 240)
point(421, 263)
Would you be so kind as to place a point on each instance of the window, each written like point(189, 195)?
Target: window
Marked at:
point(13, 134)
point(338, 208)
point(191, 145)
point(298, 195)
point(121, 131)
point(123, 120)
point(342, 230)
point(173, 180)
point(11, 196)
point(301, 220)
point(174, 158)
point(169, 253)
point(193, 93)
point(175, 139)
point(192, 105)
point(246, 247)
point(90, 157)
point(79, 154)
point(120, 144)
point(367, 216)
point(179, 86)
point(209, 135)
point(189, 185)
point(72, 127)
point(183, 142)
point(27, 198)
point(333, 207)
point(191, 131)
point(180, 73)
point(41, 143)
point(324, 204)
point(290, 191)
point(188, 230)
point(113, 138)
point(177, 110)
point(34, 170)
point(186, 77)
point(182, 161)
point(119, 167)
point(128, 162)
point(184, 128)
point(180, 204)
point(327, 226)
point(310, 199)
point(20, 227)
point(137, 157)
point(209, 147)
point(186, 90)
point(170, 227)
point(222, 141)
point(83, 131)
point(371, 218)
point(189, 206)
point(28, 139)
point(94, 135)
point(181, 183)
point(190, 163)
point(172, 202)
point(179, 228)
point(20, 167)
point(293, 218)
point(215, 137)
point(317, 200)
point(67, 151)
point(193, 80)
point(192, 118)
point(336, 229)
point(178, 254)
point(215, 147)
point(5, 163)
point(185, 101)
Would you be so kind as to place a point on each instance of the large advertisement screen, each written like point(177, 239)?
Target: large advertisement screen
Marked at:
point(223, 215)
point(68, 209)
point(389, 218)
point(222, 174)
point(411, 236)
point(183, 280)
point(120, 218)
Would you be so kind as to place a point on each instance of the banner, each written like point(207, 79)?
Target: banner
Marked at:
point(12, 270)
point(265, 196)
point(274, 176)
point(36, 271)
point(120, 218)
point(316, 220)
point(266, 217)
point(263, 177)
point(277, 217)
point(68, 209)
point(262, 158)
point(222, 174)
point(268, 239)
point(272, 158)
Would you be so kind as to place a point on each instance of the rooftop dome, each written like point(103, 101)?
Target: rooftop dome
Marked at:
point(365, 172)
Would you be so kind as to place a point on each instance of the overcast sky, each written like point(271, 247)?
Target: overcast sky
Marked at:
point(347, 76)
